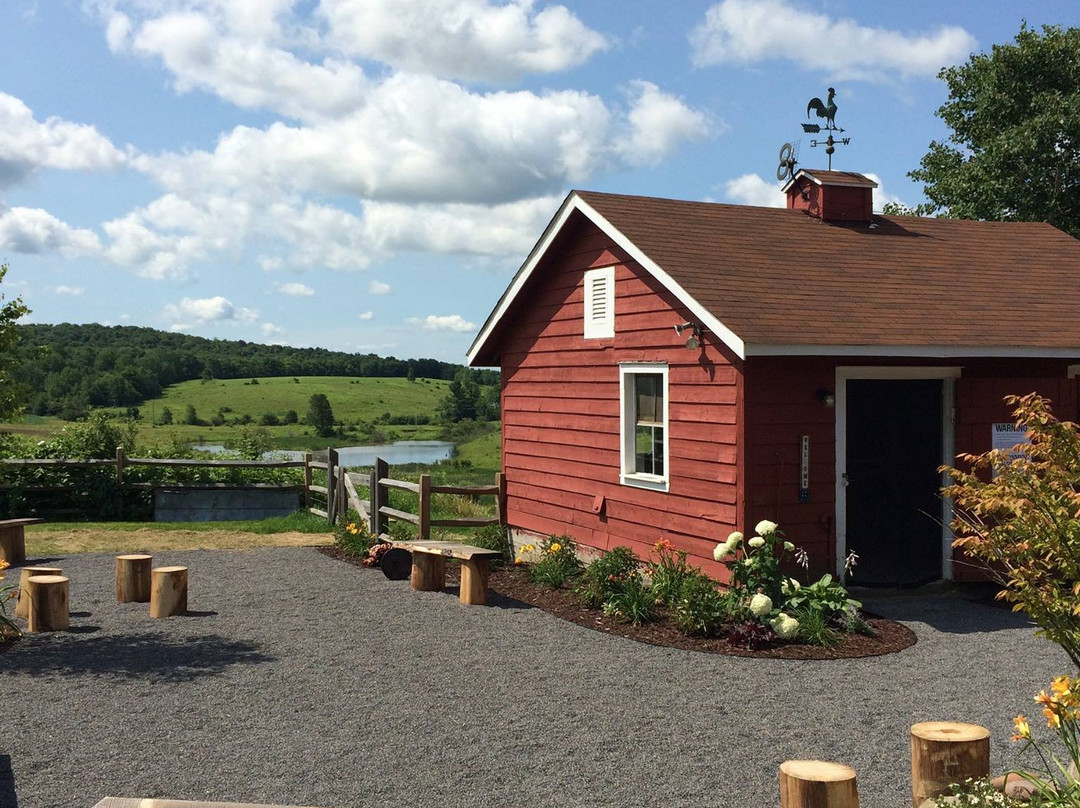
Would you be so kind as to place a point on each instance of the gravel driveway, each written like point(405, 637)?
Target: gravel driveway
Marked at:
point(302, 680)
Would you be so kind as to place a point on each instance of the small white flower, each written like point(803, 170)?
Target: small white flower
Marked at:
point(785, 626)
point(722, 551)
point(756, 542)
point(760, 605)
point(749, 561)
point(765, 527)
point(789, 547)
point(790, 585)
point(734, 538)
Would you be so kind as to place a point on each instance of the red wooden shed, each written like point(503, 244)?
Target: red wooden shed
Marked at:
point(680, 370)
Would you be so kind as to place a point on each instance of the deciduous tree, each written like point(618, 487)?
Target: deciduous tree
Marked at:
point(1014, 151)
point(10, 312)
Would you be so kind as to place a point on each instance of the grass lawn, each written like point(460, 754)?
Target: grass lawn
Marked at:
point(65, 538)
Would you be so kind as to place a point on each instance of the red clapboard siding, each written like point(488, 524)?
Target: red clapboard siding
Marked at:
point(560, 410)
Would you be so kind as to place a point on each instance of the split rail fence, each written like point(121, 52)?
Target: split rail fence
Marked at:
point(341, 493)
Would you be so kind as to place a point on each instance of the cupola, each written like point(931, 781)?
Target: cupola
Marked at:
point(832, 196)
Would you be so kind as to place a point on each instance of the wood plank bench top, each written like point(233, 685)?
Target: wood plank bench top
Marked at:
point(22, 522)
point(125, 802)
point(13, 539)
point(449, 549)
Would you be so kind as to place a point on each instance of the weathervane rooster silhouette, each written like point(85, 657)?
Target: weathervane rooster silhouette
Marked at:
point(826, 111)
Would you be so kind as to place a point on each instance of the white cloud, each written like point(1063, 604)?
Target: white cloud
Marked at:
point(366, 315)
point(74, 291)
point(33, 230)
point(463, 39)
point(443, 322)
point(749, 31)
point(294, 289)
point(271, 331)
point(658, 123)
point(881, 196)
point(208, 310)
point(378, 288)
point(750, 189)
point(26, 144)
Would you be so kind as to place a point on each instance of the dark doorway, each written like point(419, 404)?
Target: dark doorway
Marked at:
point(893, 504)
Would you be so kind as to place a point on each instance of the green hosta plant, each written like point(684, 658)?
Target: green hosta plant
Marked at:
point(826, 597)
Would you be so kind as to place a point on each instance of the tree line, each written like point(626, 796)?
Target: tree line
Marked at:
point(67, 369)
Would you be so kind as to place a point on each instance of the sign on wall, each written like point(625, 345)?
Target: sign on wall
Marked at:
point(1008, 436)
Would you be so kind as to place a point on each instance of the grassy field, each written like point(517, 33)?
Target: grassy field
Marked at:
point(63, 538)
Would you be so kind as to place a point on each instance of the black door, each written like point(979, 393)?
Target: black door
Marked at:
point(893, 501)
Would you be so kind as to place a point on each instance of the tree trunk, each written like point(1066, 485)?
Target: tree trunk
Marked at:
point(474, 581)
point(817, 784)
point(48, 603)
point(168, 591)
point(943, 753)
point(22, 608)
point(133, 578)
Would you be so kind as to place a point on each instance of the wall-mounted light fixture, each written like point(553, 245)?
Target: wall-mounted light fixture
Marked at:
point(826, 397)
point(693, 342)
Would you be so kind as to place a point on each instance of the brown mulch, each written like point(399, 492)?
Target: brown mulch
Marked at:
point(513, 583)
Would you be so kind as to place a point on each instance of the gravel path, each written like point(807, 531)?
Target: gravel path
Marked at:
point(302, 680)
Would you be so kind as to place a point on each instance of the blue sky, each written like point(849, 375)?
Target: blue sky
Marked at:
point(366, 175)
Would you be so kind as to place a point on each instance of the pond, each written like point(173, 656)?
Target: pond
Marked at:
point(402, 451)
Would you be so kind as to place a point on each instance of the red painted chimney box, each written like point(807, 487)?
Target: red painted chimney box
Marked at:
point(832, 196)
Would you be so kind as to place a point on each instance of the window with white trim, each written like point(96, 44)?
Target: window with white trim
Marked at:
point(644, 425)
point(600, 303)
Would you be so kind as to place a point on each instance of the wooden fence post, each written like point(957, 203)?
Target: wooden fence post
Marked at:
point(943, 753)
point(342, 497)
point(120, 482)
point(307, 480)
point(424, 528)
point(380, 497)
point(500, 498)
point(331, 484)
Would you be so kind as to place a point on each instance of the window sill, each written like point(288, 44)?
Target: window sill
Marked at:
point(649, 481)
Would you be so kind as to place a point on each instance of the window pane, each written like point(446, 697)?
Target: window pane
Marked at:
point(650, 398)
point(649, 450)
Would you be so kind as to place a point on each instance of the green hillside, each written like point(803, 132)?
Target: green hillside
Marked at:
point(352, 400)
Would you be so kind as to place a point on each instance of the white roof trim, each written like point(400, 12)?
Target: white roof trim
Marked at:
point(575, 203)
point(929, 351)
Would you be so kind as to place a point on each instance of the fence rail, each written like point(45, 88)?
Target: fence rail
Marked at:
point(379, 512)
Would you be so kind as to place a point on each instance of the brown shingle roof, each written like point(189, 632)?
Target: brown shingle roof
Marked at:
point(781, 277)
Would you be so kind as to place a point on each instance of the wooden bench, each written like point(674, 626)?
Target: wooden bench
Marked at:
point(429, 567)
point(13, 539)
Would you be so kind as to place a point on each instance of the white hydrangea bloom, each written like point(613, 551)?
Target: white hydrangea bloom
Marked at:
point(756, 542)
point(789, 586)
point(722, 551)
point(734, 538)
point(785, 626)
point(765, 527)
point(789, 547)
point(760, 605)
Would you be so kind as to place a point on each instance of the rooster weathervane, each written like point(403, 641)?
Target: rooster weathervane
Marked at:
point(789, 154)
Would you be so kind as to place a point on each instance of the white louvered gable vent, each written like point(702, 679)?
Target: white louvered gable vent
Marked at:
point(600, 303)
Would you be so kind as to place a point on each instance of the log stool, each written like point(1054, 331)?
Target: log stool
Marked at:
point(22, 608)
point(133, 578)
point(168, 591)
point(48, 603)
point(817, 784)
point(943, 753)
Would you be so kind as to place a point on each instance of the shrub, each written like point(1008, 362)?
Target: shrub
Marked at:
point(604, 577)
point(558, 562)
point(632, 601)
point(669, 572)
point(7, 594)
point(1023, 524)
point(749, 634)
point(755, 563)
point(492, 537)
point(701, 608)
